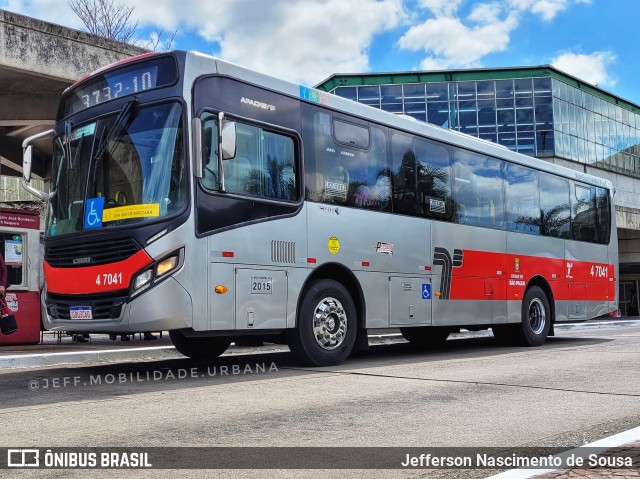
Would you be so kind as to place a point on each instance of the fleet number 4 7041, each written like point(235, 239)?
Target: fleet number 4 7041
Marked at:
point(109, 279)
point(599, 271)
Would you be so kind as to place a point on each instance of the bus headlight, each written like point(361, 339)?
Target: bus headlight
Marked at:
point(142, 279)
point(166, 266)
point(157, 272)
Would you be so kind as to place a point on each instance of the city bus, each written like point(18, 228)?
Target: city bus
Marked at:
point(192, 195)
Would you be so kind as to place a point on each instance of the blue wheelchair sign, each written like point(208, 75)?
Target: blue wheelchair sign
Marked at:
point(93, 212)
point(426, 291)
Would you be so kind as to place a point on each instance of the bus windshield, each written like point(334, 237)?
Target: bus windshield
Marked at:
point(118, 170)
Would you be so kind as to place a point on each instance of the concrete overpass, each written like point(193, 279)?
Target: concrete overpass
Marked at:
point(38, 60)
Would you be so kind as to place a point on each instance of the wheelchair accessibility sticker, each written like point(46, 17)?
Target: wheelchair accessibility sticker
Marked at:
point(426, 291)
point(93, 212)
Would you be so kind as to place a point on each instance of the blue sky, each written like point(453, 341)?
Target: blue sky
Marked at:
point(308, 40)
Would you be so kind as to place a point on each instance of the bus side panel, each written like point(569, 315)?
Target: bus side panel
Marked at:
point(254, 262)
point(468, 275)
point(374, 246)
point(222, 306)
point(530, 256)
point(588, 273)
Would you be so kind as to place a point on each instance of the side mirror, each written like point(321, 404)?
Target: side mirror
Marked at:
point(228, 140)
point(27, 162)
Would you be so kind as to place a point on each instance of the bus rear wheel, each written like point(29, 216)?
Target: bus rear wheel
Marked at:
point(326, 325)
point(536, 318)
point(199, 347)
point(425, 336)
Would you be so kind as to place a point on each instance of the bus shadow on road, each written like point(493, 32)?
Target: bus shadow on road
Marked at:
point(99, 382)
point(401, 352)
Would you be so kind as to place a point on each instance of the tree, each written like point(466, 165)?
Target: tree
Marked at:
point(106, 18)
point(112, 20)
point(156, 43)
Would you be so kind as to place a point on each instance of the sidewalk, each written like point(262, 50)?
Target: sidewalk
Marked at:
point(624, 446)
point(50, 352)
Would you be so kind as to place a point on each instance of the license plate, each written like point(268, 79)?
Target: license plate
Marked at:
point(80, 312)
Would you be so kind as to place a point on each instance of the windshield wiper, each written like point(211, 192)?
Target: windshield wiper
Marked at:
point(119, 122)
point(66, 139)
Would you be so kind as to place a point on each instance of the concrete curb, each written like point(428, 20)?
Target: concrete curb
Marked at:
point(26, 361)
point(620, 439)
point(23, 361)
point(598, 324)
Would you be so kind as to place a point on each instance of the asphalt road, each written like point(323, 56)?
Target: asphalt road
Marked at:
point(581, 386)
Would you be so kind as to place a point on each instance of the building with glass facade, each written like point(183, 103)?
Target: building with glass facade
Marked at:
point(537, 111)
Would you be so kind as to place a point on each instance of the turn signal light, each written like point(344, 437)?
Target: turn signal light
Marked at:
point(221, 289)
point(438, 294)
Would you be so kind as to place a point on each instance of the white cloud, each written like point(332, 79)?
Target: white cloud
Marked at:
point(546, 9)
point(450, 40)
point(53, 11)
point(591, 68)
point(308, 40)
point(485, 13)
point(445, 8)
point(455, 44)
point(305, 40)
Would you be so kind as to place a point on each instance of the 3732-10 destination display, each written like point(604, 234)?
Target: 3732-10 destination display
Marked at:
point(121, 82)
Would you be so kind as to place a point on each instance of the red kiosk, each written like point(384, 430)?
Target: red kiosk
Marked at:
point(21, 247)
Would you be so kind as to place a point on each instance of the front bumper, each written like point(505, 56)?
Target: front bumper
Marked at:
point(164, 307)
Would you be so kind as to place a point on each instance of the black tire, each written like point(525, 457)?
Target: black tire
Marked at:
point(536, 318)
point(326, 325)
point(426, 336)
point(199, 348)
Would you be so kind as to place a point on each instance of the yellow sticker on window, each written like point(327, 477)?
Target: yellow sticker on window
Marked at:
point(131, 211)
point(333, 245)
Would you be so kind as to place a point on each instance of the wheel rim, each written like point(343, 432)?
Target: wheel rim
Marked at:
point(329, 323)
point(537, 316)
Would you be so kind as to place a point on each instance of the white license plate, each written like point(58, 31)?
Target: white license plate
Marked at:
point(80, 312)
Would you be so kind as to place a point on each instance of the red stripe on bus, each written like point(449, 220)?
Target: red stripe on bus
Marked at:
point(481, 276)
point(95, 279)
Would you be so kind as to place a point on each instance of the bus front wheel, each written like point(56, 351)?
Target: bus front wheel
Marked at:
point(198, 347)
point(536, 318)
point(326, 325)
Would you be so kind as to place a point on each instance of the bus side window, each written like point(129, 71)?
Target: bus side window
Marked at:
point(583, 213)
point(478, 186)
point(603, 209)
point(404, 180)
point(555, 206)
point(434, 180)
point(522, 200)
point(370, 182)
